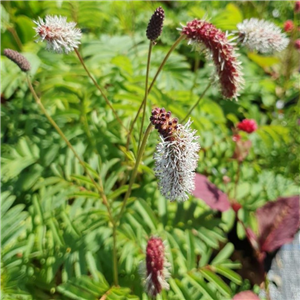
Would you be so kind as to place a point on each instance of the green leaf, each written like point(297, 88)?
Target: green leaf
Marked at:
point(83, 288)
point(87, 194)
point(181, 291)
point(147, 213)
point(231, 275)
point(203, 233)
point(4, 19)
point(263, 61)
point(228, 18)
point(121, 190)
point(220, 284)
point(202, 286)
point(191, 257)
point(223, 254)
point(82, 179)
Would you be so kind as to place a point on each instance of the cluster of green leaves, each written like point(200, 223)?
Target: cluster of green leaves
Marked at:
point(56, 235)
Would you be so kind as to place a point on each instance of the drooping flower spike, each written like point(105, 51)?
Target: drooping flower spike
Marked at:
point(59, 34)
point(156, 268)
point(203, 35)
point(18, 59)
point(261, 35)
point(176, 156)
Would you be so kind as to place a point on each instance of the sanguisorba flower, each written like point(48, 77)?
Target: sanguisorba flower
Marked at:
point(176, 156)
point(203, 35)
point(261, 35)
point(288, 26)
point(156, 270)
point(297, 44)
point(18, 59)
point(59, 34)
point(247, 125)
point(297, 7)
point(155, 25)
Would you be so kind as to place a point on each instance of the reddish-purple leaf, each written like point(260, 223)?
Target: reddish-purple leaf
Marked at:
point(278, 222)
point(246, 295)
point(210, 194)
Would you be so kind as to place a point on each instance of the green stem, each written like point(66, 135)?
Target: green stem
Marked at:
point(135, 170)
point(16, 37)
point(237, 179)
point(99, 88)
point(198, 101)
point(146, 92)
point(53, 123)
point(151, 85)
point(165, 60)
point(115, 259)
point(99, 188)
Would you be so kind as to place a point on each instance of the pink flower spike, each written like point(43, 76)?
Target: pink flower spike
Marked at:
point(297, 7)
point(297, 45)
point(59, 34)
point(247, 125)
point(156, 267)
point(288, 26)
point(204, 35)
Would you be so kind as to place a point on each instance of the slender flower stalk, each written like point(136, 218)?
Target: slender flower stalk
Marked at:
point(205, 36)
point(261, 35)
point(198, 101)
point(99, 89)
point(16, 37)
point(176, 156)
point(59, 34)
point(99, 187)
point(146, 92)
point(53, 123)
point(151, 85)
point(135, 170)
point(153, 31)
point(156, 268)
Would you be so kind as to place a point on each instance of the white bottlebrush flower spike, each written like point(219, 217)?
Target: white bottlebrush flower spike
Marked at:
point(176, 156)
point(261, 35)
point(59, 34)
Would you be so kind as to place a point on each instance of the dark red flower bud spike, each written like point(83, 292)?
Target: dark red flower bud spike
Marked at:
point(155, 25)
point(163, 122)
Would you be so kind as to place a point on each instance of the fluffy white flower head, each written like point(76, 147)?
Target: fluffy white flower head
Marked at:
point(176, 156)
point(261, 35)
point(59, 34)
